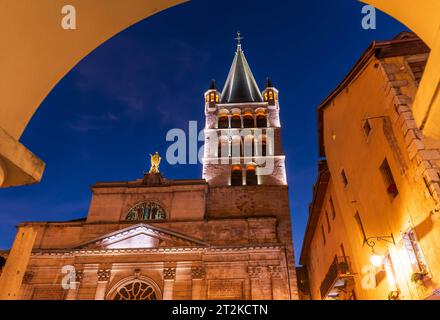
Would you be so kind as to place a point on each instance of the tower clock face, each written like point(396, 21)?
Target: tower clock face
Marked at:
point(245, 204)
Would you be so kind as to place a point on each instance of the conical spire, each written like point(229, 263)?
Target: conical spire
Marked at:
point(240, 86)
point(269, 83)
point(213, 85)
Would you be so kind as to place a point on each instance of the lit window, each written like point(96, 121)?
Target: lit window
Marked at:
point(271, 95)
point(262, 146)
point(389, 179)
point(251, 176)
point(248, 121)
point(391, 273)
point(223, 122)
point(236, 176)
point(236, 122)
point(146, 211)
point(414, 252)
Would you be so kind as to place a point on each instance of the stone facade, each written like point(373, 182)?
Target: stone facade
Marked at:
point(155, 238)
point(378, 186)
point(237, 237)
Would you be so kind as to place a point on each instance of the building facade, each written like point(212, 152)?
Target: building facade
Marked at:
point(374, 224)
point(227, 236)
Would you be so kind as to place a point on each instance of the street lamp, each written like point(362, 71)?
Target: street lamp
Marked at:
point(376, 259)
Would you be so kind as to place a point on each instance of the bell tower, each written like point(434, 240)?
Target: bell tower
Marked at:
point(243, 131)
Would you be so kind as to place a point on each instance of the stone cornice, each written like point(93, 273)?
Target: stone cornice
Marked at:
point(112, 252)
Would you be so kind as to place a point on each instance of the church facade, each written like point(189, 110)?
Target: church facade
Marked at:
point(224, 237)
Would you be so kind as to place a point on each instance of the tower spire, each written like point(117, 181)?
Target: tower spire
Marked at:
point(240, 86)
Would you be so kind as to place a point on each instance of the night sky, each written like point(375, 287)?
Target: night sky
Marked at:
point(112, 110)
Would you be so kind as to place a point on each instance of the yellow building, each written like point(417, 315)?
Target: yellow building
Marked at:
point(374, 223)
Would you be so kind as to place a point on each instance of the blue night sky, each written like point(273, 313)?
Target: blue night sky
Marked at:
point(104, 118)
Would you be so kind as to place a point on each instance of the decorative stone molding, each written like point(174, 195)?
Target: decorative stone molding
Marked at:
point(275, 272)
point(198, 273)
point(169, 273)
point(137, 273)
point(255, 272)
point(104, 275)
point(112, 252)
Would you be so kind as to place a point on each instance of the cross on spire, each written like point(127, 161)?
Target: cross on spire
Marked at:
point(239, 38)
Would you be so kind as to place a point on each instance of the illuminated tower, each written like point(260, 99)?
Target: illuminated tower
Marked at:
point(243, 132)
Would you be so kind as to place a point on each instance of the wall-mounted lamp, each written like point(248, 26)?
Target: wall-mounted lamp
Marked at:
point(375, 258)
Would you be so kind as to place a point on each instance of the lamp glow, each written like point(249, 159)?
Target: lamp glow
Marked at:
point(376, 260)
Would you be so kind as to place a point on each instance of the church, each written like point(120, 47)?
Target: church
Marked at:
point(227, 236)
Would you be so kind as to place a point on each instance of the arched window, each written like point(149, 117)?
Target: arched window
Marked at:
point(249, 146)
point(236, 176)
point(248, 121)
point(236, 122)
point(223, 148)
point(137, 290)
point(251, 175)
point(146, 211)
point(271, 95)
point(223, 122)
point(237, 147)
point(262, 146)
point(261, 121)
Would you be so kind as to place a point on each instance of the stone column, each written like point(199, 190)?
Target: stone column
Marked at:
point(16, 264)
point(255, 275)
point(198, 275)
point(169, 276)
point(279, 291)
point(103, 279)
point(72, 293)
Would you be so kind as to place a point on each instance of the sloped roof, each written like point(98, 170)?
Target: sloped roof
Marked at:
point(241, 86)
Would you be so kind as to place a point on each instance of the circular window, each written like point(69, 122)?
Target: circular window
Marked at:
point(146, 211)
point(137, 290)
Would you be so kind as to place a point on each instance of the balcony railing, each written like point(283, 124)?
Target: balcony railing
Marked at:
point(339, 270)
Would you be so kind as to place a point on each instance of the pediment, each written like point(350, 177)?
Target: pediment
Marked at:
point(142, 236)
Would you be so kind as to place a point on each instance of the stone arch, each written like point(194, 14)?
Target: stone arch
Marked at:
point(17, 110)
point(63, 50)
point(251, 174)
point(135, 287)
point(224, 148)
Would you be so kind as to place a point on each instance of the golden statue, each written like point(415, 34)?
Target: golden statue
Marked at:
point(155, 163)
